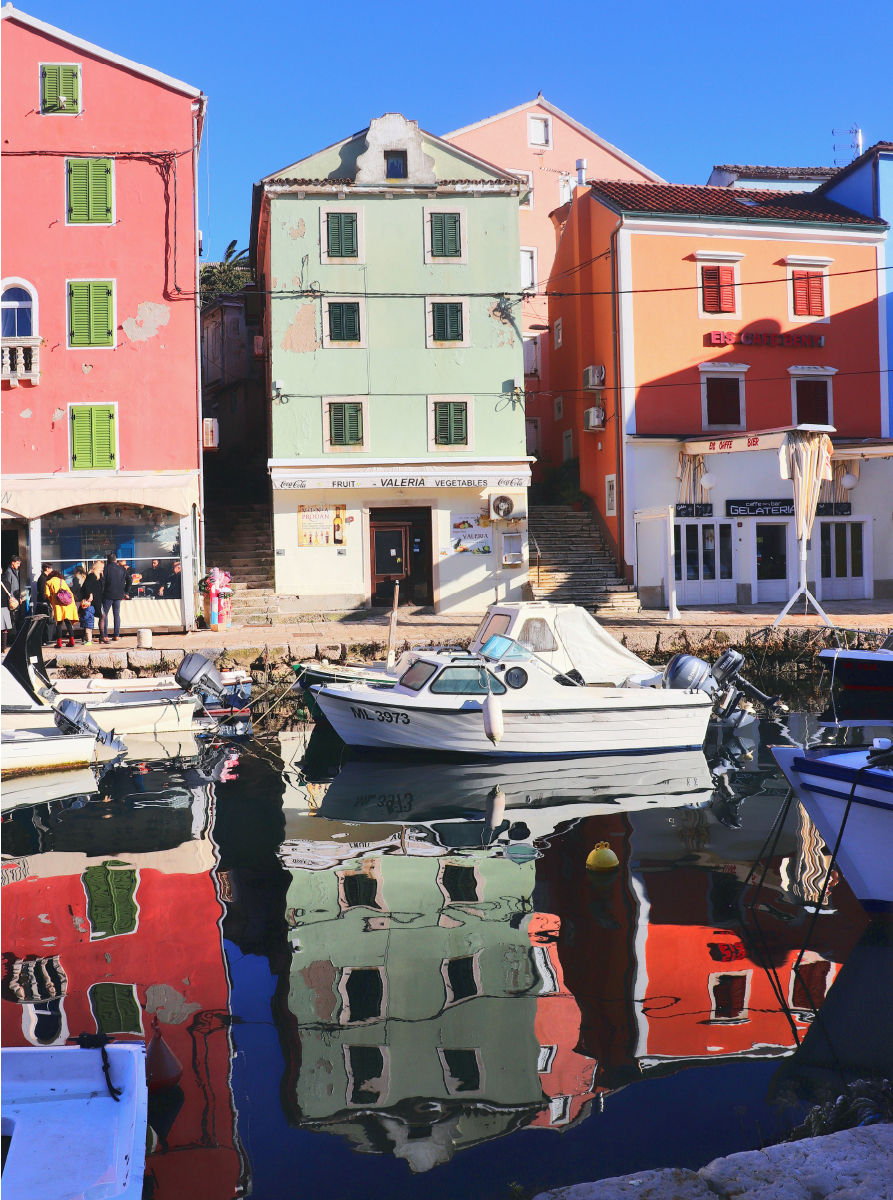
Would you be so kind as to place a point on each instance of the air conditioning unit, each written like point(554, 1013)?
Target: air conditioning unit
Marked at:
point(593, 418)
point(210, 433)
point(508, 506)
point(593, 377)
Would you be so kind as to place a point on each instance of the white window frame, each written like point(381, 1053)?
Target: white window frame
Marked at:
point(58, 63)
point(113, 219)
point(468, 401)
point(567, 439)
point(429, 321)
point(11, 281)
point(815, 263)
point(610, 495)
point(546, 970)
point(94, 404)
point(717, 370)
point(385, 1076)
point(809, 372)
point(535, 116)
point(557, 331)
point(327, 447)
point(712, 980)
point(558, 408)
point(67, 315)
point(545, 1059)
point(345, 206)
point(527, 176)
point(718, 258)
point(460, 260)
point(328, 344)
point(344, 1016)
point(449, 1002)
point(446, 1070)
point(533, 289)
point(559, 1110)
point(535, 422)
point(810, 957)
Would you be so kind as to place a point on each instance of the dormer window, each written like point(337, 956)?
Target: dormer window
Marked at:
point(395, 164)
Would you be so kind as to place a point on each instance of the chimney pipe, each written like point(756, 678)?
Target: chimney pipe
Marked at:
point(581, 172)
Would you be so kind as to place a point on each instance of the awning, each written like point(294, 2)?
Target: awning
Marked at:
point(400, 475)
point(35, 495)
point(880, 448)
point(762, 439)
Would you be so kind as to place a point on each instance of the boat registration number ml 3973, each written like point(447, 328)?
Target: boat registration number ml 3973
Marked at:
point(390, 718)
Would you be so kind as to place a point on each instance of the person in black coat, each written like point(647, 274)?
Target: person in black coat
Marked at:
point(10, 592)
point(90, 606)
point(115, 588)
point(173, 586)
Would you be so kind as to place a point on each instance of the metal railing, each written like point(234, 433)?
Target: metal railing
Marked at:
point(21, 359)
point(537, 546)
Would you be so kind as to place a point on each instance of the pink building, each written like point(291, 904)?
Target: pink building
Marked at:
point(100, 369)
point(550, 149)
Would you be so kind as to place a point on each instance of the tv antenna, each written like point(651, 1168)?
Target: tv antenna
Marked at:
point(854, 133)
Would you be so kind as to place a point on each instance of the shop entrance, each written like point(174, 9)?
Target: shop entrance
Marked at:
point(772, 563)
point(705, 562)
point(842, 570)
point(401, 553)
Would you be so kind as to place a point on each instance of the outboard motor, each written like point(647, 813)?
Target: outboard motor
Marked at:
point(722, 681)
point(72, 717)
point(197, 673)
point(685, 672)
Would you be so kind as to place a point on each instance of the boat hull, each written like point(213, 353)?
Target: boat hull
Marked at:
point(131, 716)
point(561, 733)
point(860, 668)
point(25, 755)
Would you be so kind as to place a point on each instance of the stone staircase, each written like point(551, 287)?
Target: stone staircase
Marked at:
point(239, 538)
point(575, 566)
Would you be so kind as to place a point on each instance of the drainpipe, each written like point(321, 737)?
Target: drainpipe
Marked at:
point(618, 405)
point(201, 109)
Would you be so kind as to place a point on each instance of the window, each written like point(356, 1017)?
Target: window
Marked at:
point(111, 899)
point(460, 884)
point(557, 329)
point(446, 235)
point(461, 1070)
point(567, 445)
point(809, 293)
point(91, 317)
point(341, 235)
point(115, 1008)
point(728, 995)
point(812, 402)
point(539, 131)
point(723, 401)
point(451, 423)
point(809, 985)
point(546, 970)
point(558, 407)
point(346, 424)
point(532, 435)
point(536, 635)
point(461, 978)
point(89, 191)
point(344, 322)
point(93, 440)
point(366, 1074)
point(362, 990)
point(395, 164)
point(360, 891)
point(545, 1058)
point(526, 178)
point(417, 676)
point(531, 355)
point(718, 286)
point(17, 309)
point(447, 322)
point(60, 88)
point(466, 681)
point(610, 495)
point(528, 270)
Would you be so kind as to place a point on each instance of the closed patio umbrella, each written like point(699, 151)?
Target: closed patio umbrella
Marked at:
point(805, 459)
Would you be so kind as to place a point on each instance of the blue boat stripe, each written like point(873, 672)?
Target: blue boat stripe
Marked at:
point(822, 766)
point(843, 797)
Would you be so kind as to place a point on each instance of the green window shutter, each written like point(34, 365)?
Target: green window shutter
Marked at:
point(454, 322)
point(103, 438)
point(49, 88)
point(57, 80)
point(439, 312)
point(336, 322)
point(336, 424)
point(342, 235)
point(78, 190)
point(354, 424)
point(442, 423)
point(101, 333)
point(115, 1008)
point(446, 236)
point(90, 313)
point(458, 424)
point(334, 225)
point(79, 314)
point(344, 322)
point(111, 899)
point(100, 189)
point(69, 87)
point(453, 235)
point(92, 438)
point(438, 234)
point(81, 439)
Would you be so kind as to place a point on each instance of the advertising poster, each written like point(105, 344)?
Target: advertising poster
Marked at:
point(322, 525)
point(470, 535)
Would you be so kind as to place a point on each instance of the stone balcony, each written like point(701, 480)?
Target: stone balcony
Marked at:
point(21, 360)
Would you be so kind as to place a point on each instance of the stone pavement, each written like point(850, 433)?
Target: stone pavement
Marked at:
point(855, 1164)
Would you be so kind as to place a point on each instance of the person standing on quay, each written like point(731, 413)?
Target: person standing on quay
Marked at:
point(64, 608)
point(91, 600)
point(10, 595)
point(116, 587)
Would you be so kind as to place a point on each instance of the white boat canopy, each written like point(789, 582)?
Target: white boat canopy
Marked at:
point(598, 657)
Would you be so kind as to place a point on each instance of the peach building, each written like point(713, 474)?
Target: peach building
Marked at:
point(703, 321)
point(549, 150)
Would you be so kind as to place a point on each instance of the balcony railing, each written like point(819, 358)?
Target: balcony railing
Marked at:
point(21, 359)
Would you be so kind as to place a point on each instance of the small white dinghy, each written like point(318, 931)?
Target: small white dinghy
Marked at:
point(23, 751)
point(70, 1138)
point(825, 781)
point(506, 702)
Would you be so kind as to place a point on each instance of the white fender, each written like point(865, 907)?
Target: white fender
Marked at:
point(494, 811)
point(494, 726)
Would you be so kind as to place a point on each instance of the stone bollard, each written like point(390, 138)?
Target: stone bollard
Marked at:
point(144, 639)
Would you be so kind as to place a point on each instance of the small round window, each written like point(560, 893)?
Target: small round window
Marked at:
point(515, 677)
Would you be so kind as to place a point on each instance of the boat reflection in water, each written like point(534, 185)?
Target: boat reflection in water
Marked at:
point(111, 919)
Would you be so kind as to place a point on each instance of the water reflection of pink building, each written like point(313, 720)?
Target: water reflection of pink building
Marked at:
point(106, 944)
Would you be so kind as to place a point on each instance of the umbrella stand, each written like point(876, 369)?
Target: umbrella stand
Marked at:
point(802, 590)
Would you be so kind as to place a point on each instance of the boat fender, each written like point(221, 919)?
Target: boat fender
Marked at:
point(602, 858)
point(98, 1041)
point(494, 811)
point(163, 1068)
point(494, 726)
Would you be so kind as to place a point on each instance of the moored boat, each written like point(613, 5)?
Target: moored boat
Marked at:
point(861, 668)
point(25, 751)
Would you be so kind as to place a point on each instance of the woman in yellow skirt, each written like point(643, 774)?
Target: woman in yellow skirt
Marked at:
point(64, 608)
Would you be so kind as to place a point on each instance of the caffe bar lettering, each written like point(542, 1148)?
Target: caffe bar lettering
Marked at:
point(718, 338)
point(782, 508)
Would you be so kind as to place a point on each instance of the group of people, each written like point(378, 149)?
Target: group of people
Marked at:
point(87, 599)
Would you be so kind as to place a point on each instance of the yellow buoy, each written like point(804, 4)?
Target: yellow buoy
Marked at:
point(602, 858)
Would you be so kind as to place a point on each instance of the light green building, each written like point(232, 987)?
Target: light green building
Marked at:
point(413, 992)
point(391, 267)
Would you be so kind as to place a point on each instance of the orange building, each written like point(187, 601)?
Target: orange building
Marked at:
point(550, 150)
point(701, 317)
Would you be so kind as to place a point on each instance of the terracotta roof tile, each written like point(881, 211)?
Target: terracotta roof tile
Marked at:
point(733, 204)
point(755, 172)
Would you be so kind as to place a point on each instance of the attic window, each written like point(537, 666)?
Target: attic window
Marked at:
point(395, 164)
point(745, 200)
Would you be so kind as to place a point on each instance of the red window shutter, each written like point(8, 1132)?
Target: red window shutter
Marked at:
point(710, 282)
point(726, 289)
point(801, 293)
point(816, 289)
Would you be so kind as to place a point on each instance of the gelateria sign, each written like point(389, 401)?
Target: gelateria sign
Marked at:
point(781, 508)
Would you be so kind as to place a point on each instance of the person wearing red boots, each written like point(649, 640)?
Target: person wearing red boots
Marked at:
point(64, 608)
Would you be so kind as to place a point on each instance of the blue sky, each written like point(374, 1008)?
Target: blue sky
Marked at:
point(679, 87)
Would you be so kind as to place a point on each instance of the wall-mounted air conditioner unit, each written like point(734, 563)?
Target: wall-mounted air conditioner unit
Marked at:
point(210, 433)
point(593, 377)
point(508, 506)
point(593, 418)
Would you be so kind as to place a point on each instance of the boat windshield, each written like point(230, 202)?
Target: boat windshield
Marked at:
point(500, 649)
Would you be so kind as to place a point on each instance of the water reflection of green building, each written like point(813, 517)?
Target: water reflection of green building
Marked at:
point(414, 992)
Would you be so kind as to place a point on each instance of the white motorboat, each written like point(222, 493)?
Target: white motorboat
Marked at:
point(69, 1136)
point(830, 780)
point(25, 751)
point(505, 701)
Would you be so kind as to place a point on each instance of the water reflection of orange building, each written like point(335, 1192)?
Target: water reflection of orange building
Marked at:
point(106, 944)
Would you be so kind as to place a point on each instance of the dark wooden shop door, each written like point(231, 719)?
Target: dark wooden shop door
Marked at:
point(401, 552)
